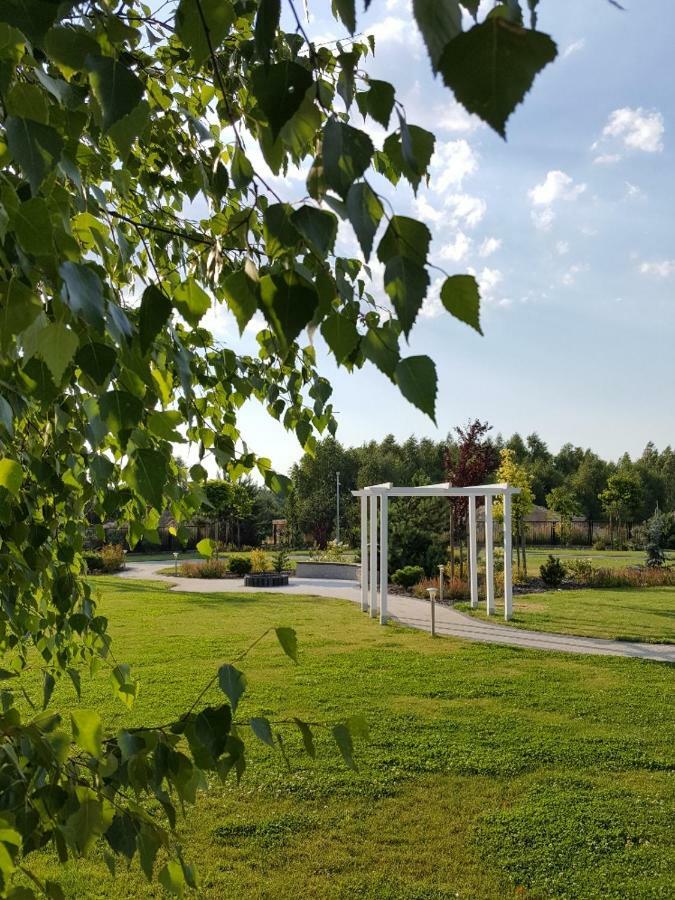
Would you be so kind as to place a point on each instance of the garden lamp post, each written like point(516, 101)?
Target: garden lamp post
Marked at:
point(432, 597)
point(441, 575)
point(175, 562)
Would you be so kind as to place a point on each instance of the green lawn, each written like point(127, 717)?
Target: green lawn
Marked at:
point(601, 559)
point(492, 772)
point(647, 614)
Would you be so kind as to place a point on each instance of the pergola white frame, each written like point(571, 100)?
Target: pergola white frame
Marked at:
point(369, 497)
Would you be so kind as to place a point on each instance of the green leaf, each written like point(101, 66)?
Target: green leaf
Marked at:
point(440, 21)
point(289, 642)
point(124, 686)
point(154, 314)
point(340, 333)
point(279, 90)
point(344, 741)
point(289, 303)
point(266, 24)
point(492, 67)
point(11, 476)
point(125, 130)
point(378, 101)
point(70, 46)
point(241, 169)
point(36, 148)
point(6, 416)
point(358, 727)
point(56, 344)
point(28, 101)
point(307, 738)
point(206, 547)
point(172, 879)
point(262, 729)
point(164, 425)
point(218, 15)
point(346, 155)
point(365, 214)
point(380, 346)
point(406, 285)
point(345, 10)
point(279, 232)
point(241, 293)
point(405, 237)
point(96, 360)
point(33, 227)
point(417, 381)
point(20, 310)
point(120, 410)
point(115, 87)
point(83, 292)
point(460, 295)
point(87, 730)
point(411, 152)
point(319, 228)
point(148, 847)
point(191, 301)
point(232, 683)
point(147, 474)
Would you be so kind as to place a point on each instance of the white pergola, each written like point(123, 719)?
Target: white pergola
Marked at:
point(379, 494)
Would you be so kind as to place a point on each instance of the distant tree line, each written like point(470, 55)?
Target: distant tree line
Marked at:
point(575, 482)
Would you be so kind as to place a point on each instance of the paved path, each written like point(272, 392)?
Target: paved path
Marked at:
point(415, 614)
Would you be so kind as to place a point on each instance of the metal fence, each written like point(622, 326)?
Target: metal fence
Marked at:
point(578, 534)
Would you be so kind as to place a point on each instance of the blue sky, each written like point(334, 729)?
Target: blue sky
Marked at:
point(568, 227)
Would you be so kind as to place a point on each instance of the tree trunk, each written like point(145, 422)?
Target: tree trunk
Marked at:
point(461, 558)
point(452, 542)
point(522, 540)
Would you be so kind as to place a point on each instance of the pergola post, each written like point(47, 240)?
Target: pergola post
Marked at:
point(489, 557)
point(508, 559)
point(384, 557)
point(373, 555)
point(473, 553)
point(364, 553)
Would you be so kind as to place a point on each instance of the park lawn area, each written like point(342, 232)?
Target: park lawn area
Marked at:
point(624, 614)
point(492, 772)
point(601, 559)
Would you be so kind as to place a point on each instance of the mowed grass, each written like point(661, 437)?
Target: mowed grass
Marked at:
point(647, 614)
point(492, 772)
point(601, 559)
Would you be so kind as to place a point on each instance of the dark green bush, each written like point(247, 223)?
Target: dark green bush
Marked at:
point(553, 572)
point(240, 565)
point(408, 576)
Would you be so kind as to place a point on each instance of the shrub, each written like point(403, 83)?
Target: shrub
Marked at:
point(456, 589)
point(211, 568)
point(552, 572)
point(335, 552)
point(421, 588)
point(240, 565)
point(93, 562)
point(280, 561)
point(600, 544)
point(580, 570)
point(259, 561)
point(112, 557)
point(408, 576)
point(633, 578)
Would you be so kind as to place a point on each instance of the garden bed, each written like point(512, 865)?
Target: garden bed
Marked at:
point(266, 579)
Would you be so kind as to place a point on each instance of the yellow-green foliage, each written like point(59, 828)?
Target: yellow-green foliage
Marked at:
point(259, 561)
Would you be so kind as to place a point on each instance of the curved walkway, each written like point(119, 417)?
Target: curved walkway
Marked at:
point(415, 614)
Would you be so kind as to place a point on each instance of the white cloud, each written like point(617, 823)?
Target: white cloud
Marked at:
point(556, 187)
point(574, 47)
point(570, 276)
point(637, 129)
point(453, 161)
point(562, 248)
point(465, 209)
point(660, 269)
point(633, 191)
point(607, 159)
point(456, 250)
point(432, 307)
point(396, 30)
point(489, 246)
point(427, 211)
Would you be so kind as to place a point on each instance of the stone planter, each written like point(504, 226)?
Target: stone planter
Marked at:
point(333, 570)
point(266, 579)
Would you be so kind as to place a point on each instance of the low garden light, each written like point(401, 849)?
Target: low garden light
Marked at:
point(441, 582)
point(175, 562)
point(432, 592)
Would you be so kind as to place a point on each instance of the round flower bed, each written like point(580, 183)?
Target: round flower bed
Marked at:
point(266, 579)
